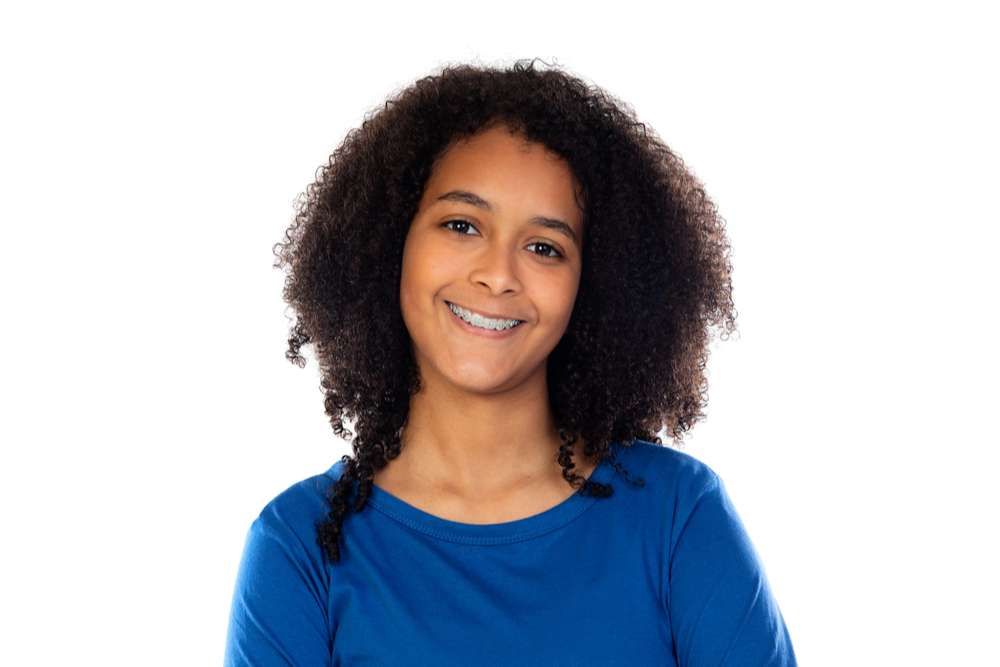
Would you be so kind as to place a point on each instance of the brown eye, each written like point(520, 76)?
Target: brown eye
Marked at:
point(457, 222)
point(460, 225)
point(557, 255)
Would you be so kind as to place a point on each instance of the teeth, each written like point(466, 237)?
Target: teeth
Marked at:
point(482, 322)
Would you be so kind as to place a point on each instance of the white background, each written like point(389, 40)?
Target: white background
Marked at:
point(149, 159)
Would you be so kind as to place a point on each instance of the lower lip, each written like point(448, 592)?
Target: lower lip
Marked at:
point(485, 333)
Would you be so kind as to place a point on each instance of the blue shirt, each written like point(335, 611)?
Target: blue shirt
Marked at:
point(663, 574)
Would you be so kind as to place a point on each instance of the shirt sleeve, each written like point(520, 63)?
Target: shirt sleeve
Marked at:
point(278, 613)
point(721, 608)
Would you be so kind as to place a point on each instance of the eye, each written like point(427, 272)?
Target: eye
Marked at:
point(457, 222)
point(557, 255)
point(469, 225)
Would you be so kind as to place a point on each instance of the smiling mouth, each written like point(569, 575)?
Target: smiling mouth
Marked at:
point(483, 331)
point(482, 315)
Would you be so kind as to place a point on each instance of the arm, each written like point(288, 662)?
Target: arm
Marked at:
point(721, 608)
point(278, 613)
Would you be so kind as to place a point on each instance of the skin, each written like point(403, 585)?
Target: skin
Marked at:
point(480, 441)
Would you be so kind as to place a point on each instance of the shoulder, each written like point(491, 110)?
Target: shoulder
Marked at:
point(280, 606)
point(669, 469)
point(288, 519)
point(303, 498)
point(675, 484)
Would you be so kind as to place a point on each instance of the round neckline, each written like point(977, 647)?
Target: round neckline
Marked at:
point(490, 533)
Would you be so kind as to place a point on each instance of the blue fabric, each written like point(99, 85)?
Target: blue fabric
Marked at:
point(660, 575)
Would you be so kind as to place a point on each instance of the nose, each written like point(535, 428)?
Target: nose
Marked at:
point(496, 268)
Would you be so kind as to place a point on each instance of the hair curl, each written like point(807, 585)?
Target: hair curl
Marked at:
point(655, 269)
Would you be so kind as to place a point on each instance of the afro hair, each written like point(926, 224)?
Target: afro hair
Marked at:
point(655, 269)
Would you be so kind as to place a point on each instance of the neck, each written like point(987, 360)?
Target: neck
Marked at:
point(482, 446)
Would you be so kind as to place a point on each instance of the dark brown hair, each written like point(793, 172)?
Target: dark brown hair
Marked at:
point(655, 269)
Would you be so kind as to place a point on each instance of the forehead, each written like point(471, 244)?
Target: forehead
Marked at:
point(508, 171)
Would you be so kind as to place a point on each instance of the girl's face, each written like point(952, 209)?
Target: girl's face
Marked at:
point(498, 232)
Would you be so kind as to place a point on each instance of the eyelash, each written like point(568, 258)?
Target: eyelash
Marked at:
point(558, 254)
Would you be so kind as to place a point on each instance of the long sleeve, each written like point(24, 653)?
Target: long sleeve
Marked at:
point(721, 608)
point(278, 613)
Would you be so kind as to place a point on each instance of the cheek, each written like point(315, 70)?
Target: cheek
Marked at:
point(411, 295)
point(557, 302)
point(565, 314)
point(568, 289)
point(422, 274)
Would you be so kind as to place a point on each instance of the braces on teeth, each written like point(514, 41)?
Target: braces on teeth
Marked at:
point(483, 322)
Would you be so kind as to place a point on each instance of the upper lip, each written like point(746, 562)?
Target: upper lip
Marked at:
point(494, 316)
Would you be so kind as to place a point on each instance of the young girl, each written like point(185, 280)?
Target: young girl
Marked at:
point(509, 283)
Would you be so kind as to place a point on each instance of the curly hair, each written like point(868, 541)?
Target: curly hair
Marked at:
point(655, 269)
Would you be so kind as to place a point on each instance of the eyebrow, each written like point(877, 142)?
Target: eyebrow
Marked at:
point(473, 199)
